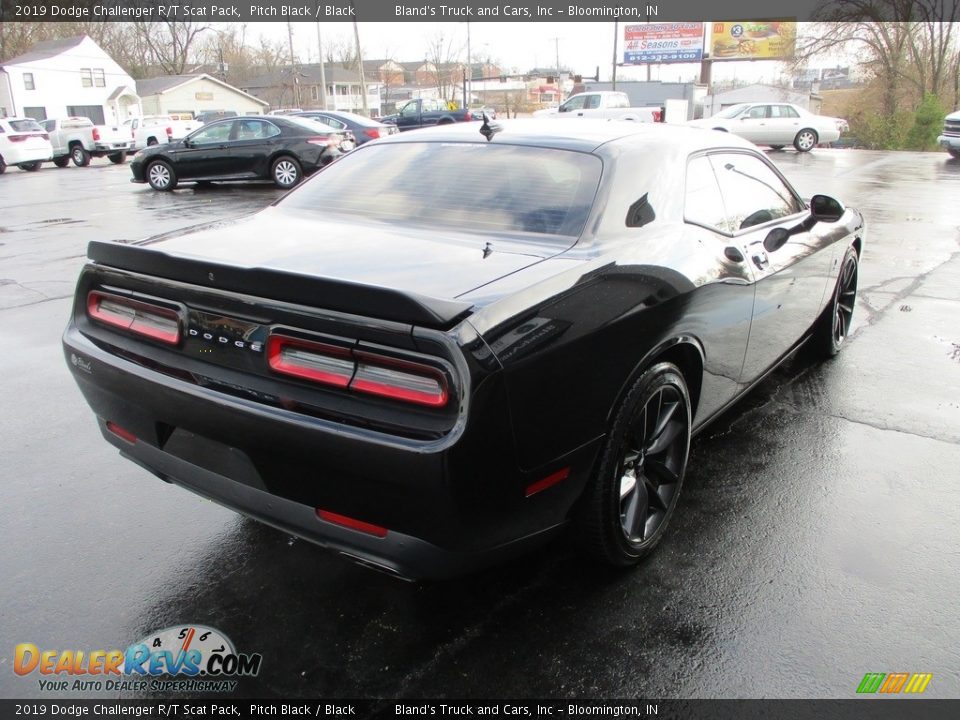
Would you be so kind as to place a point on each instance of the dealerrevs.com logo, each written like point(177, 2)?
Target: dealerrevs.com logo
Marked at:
point(183, 658)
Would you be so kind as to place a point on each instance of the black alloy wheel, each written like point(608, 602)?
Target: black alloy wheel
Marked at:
point(835, 323)
point(630, 501)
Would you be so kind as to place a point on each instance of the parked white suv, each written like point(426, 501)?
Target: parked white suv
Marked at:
point(23, 143)
point(949, 140)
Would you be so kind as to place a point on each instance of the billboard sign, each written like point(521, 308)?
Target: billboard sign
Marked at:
point(753, 40)
point(662, 43)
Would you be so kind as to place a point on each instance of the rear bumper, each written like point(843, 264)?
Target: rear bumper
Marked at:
point(17, 156)
point(396, 553)
point(446, 507)
point(110, 148)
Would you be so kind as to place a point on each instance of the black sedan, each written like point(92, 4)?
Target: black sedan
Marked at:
point(363, 128)
point(428, 375)
point(281, 149)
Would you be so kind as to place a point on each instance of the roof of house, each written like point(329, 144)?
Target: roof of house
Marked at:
point(165, 83)
point(46, 49)
point(308, 74)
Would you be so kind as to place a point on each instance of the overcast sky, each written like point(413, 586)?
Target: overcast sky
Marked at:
point(519, 45)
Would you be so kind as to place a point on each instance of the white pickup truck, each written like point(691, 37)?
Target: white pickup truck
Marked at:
point(77, 138)
point(159, 129)
point(602, 105)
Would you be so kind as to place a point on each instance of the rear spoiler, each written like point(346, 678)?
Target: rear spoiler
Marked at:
point(319, 292)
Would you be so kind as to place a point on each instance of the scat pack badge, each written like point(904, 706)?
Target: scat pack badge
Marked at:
point(178, 659)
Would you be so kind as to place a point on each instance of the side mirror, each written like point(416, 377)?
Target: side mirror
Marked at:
point(563, 108)
point(824, 208)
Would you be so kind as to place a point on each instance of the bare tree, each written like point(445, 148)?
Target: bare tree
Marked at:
point(443, 54)
point(168, 44)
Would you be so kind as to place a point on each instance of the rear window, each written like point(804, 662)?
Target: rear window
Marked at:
point(25, 126)
point(463, 186)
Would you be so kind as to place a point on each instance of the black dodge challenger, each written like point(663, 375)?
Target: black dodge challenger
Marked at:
point(428, 373)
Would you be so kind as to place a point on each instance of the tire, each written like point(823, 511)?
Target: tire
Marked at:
point(776, 147)
point(62, 162)
point(80, 157)
point(834, 325)
point(30, 167)
point(118, 158)
point(955, 154)
point(3, 165)
point(806, 140)
point(160, 175)
point(629, 502)
point(286, 172)
point(152, 141)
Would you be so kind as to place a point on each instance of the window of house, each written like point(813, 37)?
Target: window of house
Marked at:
point(86, 77)
point(98, 78)
point(314, 92)
point(28, 83)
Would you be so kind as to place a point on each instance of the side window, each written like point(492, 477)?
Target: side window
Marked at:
point(752, 192)
point(757, 112)
point(332, 122)
point(218, 132)
point(409, 110)
point(574, 103)
point(703, 203)
point(783, 111)
point(592, 103)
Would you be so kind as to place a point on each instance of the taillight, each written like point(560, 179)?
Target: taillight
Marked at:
point(17, 138)
point(372, 133)
point(399, 379)
point(358, 370)
point(141, 318)
point(169, 133)
point(96, 134)
point(319, 362)
point(331, 140)
point(467, 115)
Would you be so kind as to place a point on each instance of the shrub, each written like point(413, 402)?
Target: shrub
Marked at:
point(927, 121)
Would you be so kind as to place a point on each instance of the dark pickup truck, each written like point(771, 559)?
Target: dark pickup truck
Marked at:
point(424, 113)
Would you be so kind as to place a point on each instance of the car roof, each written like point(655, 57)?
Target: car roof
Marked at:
point(573, 134)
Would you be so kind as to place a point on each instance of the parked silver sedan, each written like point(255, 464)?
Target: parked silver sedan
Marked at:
point(776, 125)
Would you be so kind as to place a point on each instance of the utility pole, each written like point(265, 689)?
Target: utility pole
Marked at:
point(469, 92)
point(616, 32)
point(556, 45)
point(323, 74)
point(294, 80)
point(363, 82)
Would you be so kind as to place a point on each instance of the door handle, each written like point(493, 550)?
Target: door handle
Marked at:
point(760, 259)
point(580, 114)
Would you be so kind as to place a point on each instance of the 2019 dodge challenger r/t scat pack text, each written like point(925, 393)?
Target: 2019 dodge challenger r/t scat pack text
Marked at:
point(429, 375)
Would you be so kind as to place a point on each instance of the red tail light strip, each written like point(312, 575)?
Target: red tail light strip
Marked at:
point(141, 318)
point(358, 370)
point(348, 522)
point(319, 362)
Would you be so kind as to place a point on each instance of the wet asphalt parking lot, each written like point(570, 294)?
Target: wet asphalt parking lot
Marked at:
point(818, 537)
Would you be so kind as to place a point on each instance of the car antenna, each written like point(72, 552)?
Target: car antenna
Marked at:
point(489, 129)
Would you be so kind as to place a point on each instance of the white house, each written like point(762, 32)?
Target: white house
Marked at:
point(60, 78)
point(194, 94)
